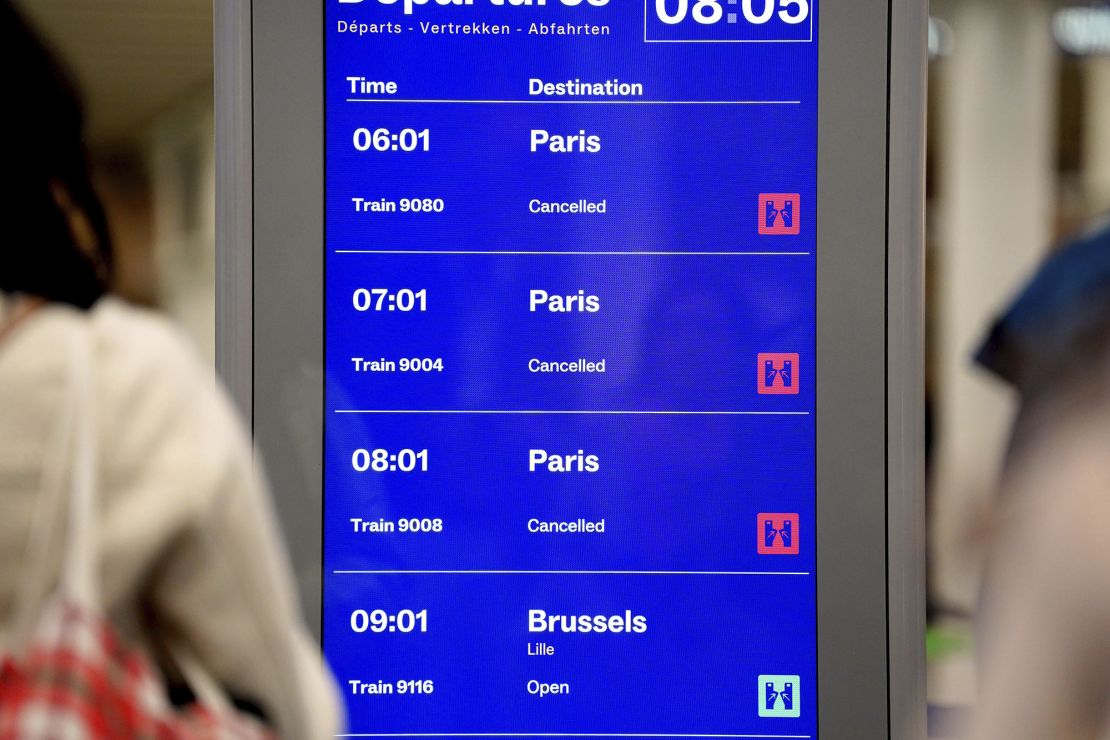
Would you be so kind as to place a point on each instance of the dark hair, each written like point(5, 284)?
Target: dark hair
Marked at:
point(44, 165)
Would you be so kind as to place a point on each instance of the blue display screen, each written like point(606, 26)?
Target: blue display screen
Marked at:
point(571, 325)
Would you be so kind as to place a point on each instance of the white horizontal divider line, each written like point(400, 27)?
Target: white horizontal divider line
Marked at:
point(570, 413)
point(573, 572)
point(549, 253)
point(566, 734)
point(576, 102)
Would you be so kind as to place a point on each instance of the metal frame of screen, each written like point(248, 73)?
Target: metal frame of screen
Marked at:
point(870, 529)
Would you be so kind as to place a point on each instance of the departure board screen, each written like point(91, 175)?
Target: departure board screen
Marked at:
point(570, 367)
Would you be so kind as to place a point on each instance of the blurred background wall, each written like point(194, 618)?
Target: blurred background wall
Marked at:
point(146, 70)
point(1019, 159)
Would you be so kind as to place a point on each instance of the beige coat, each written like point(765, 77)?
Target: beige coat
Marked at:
point(189, 546)
point(1045, 627)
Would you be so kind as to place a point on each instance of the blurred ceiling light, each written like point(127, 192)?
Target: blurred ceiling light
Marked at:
point(942, 40)
point(1083, 31)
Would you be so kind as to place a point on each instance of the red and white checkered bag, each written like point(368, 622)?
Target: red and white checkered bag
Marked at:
point(70, 676)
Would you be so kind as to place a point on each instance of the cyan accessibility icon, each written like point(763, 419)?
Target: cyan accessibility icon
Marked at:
point(780, 696)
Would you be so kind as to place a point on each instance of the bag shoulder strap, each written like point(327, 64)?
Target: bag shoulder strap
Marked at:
point(68, 480)
point(82, 562)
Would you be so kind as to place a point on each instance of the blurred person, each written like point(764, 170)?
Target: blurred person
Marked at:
point(188, 547)
point(1045, 617)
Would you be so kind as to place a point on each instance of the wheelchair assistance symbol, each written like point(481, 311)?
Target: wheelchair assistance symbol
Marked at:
point(780, 214)
point(780, 696)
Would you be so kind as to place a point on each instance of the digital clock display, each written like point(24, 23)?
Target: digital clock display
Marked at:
point(570, 355)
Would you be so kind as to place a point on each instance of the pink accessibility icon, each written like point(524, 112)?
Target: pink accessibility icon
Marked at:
point(780, 214)
point(778, 534)
point(778, 373)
